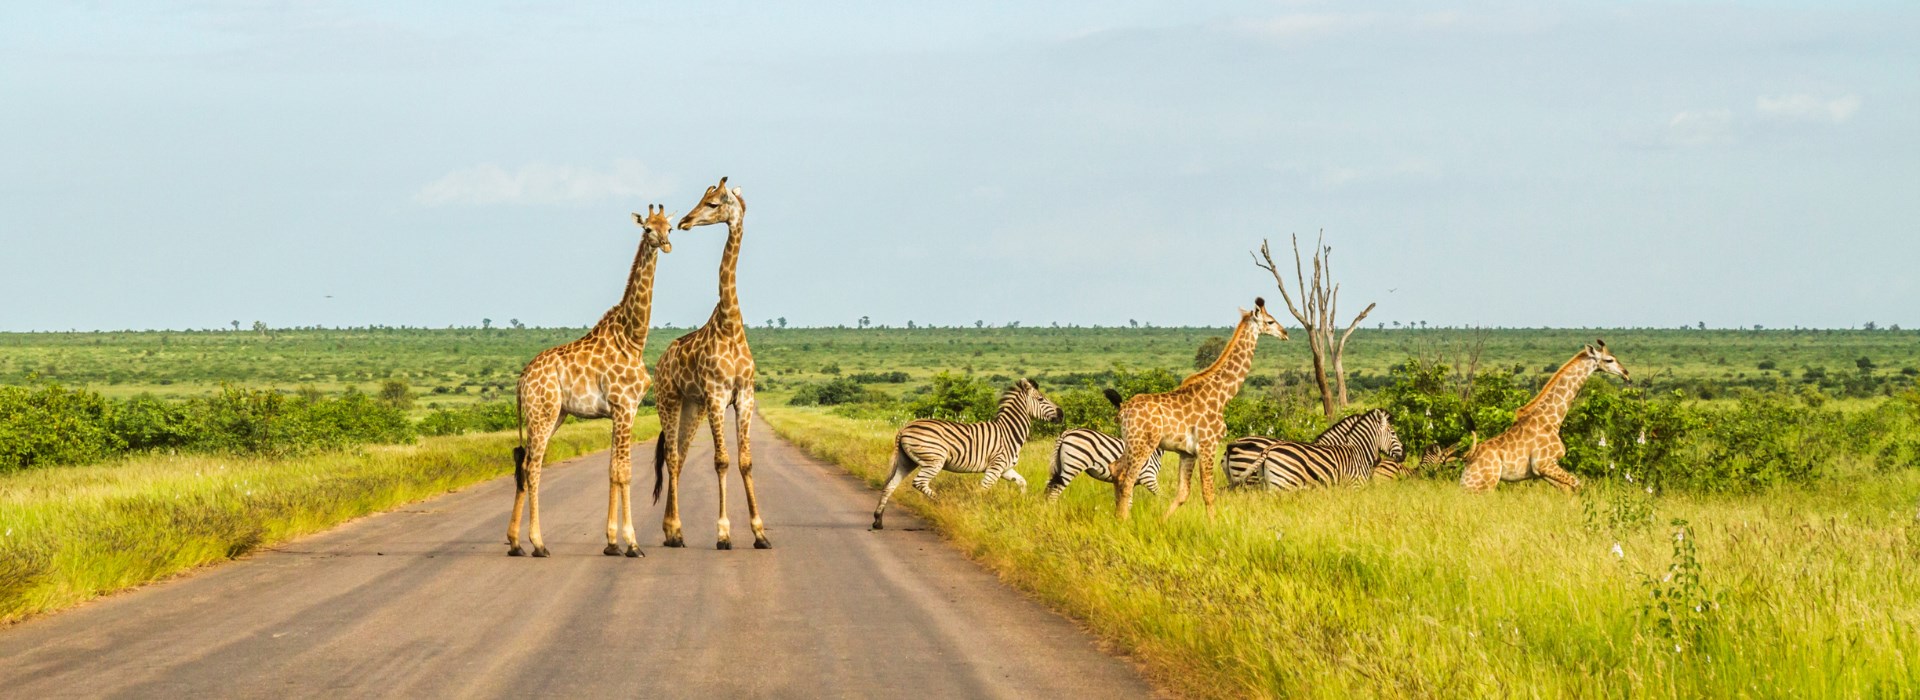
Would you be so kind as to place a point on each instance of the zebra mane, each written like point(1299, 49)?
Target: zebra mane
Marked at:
point(1346, 429)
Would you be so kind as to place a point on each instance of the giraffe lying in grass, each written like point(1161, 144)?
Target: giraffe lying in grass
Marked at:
point(1532, 449)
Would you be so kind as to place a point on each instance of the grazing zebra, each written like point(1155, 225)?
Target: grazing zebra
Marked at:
point(1093, 452)
point(1349, 451)
point(924, 447)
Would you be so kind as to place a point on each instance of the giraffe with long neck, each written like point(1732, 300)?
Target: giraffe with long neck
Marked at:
point(1188, 420)
point(704, 372)
point(601, 375)
point(1531, 448)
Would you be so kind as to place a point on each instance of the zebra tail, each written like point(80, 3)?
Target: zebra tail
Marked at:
point(659, 460)
point(1113, 396)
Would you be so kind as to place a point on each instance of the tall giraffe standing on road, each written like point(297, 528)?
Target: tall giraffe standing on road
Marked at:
point(1188, 420)
point(601, 375)
point(701, 374)
point(1531, 448)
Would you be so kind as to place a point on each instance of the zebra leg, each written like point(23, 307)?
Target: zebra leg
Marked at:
point(1150, 475)
point(1061, 474)
point(902, 466)
point(1014, 476)
point(923, 479)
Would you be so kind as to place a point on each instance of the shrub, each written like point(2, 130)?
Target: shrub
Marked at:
point(54, 425)
point(478, 418)
point(956, 397)
point(840, 390)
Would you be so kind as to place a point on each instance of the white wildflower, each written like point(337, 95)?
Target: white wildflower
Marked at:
point(1629, 477)
point(1643, 437)
point(1666, 578)
point(1680, 536)
point(1649, 490)
point(1617, 552)
point(1696, 608)
point(1676, 648)
point(1603, 441)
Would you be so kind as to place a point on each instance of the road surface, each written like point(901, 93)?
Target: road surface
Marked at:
point(424, 602)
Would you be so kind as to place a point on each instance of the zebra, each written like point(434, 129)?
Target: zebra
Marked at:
point(925, 447)
point(1349, 451)
point(1093, 452)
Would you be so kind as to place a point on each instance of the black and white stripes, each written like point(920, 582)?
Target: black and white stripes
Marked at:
point(927, 446)
point(1349, 451)
point(1092, 452)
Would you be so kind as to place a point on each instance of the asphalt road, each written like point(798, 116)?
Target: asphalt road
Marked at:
point(424, 602)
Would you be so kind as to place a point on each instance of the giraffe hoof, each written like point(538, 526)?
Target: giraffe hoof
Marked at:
point(762, 543)
point(723, 544)
point(633, 551)
point(516, 551)
point(674, 542)
point(612, 550)
point(540, 552)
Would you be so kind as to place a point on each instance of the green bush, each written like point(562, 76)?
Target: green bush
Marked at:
point(478, 418)
point(54, 425)
point(840, 390)
point(961, 397)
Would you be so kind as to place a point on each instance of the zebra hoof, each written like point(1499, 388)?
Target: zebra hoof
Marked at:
point(540, 552)
point(762, 543)
point(876, 523)
point(612, 550)
point(723, 544)
point(516, 551)
point(633, 551)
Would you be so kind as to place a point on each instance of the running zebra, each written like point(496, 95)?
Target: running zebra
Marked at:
point(1349, 451)
point(1093, 452)
point(924, 447)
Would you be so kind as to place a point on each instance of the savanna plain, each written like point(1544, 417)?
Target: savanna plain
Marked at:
point(1749, 525)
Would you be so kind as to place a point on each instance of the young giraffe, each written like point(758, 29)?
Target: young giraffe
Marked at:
point(1532, 447)
point(1188, 420)
point(601, 375)
point(701, 374)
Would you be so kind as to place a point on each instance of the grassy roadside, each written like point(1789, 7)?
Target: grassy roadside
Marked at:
point(1414, 588)
point(72, 533)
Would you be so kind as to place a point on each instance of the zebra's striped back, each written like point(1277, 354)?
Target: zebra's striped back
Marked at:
point(960, 447)
point(1093, 453)
point(1289, 465)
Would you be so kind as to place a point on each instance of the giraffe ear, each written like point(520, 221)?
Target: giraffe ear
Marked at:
point(638, 219)
point(1601, 343)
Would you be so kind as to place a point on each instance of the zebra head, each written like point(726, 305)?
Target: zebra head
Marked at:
point(1027, 392)
point(1384, 439)
point(1604, 360)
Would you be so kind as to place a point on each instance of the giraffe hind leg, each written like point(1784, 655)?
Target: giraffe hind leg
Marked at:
point(743, 417)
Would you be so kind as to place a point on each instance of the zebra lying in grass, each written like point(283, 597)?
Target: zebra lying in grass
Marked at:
point(1092, 452)
point(1349, 451)
point(925, 447)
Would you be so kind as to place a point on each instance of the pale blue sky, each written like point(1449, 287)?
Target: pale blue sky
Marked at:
point(1602, 164)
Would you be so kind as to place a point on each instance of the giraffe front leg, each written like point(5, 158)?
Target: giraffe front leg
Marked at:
point(743, 415)
point(1126, 470)
point(1183, 487)
point(1204, 461)
point(674, 414)
point(717, 420)
point(1550, 470)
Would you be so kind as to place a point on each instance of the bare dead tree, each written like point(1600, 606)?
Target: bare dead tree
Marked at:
point(1316, 312)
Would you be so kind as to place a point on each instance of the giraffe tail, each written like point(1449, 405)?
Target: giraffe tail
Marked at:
point(659, 460)
point(520, 469)
point(1113, 396)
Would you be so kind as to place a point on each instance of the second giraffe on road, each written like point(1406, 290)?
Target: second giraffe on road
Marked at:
point(704, 372)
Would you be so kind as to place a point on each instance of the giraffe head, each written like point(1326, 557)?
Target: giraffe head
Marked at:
point(717, 205)
point(1027, 392)
point(1604, 360)
point(1263, 323)
point(656, 225)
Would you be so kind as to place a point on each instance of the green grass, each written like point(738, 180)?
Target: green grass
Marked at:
point(1415, 588)
point(73, 533)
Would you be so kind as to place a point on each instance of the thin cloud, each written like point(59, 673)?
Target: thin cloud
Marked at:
point(1700, 128)
point(1803, 107)
point(1409, 169)
point(1304, 25)
point(542, 184)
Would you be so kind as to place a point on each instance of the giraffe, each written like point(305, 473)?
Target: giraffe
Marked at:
point(601, 375)
point(1531, 448)
point(701, 374)
point(1188, 420)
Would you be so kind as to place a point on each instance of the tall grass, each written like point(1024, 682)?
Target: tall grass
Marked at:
point(1415, 588)
point(70, 534)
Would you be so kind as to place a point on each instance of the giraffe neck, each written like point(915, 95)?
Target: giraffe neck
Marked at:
point(1219, 382)
point(1550, 407)
point(726, 314)
point(632, 317)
